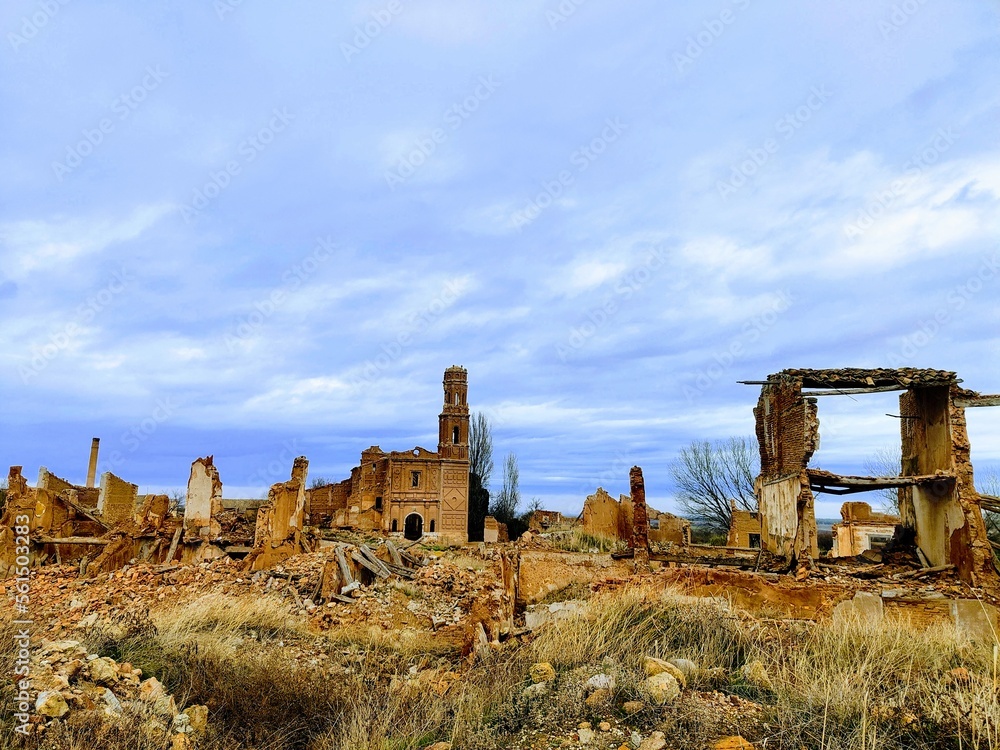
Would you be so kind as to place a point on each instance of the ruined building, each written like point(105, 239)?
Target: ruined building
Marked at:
point(861, 529)
point(415, 492)
point(605, 516)
point(939, 506)
point(744, 529)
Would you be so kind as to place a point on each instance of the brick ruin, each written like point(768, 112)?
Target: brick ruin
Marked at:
point(604, 516)
point(415, 493)
point(418, 493)
point(744, 529)
point(411, 494)
point(861, 529)
point(940, 509)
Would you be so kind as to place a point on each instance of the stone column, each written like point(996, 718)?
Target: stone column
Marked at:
point(95, 446)
point(640, 520)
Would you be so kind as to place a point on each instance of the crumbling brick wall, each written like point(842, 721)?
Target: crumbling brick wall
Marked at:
point(326, 502)
point(744, 529)
point(49, 481)
point(117, 500)
point(204, 500)
point(543, 520)
point(945, 515)
point(605, 516)
point(602, 516)
point(788, 433)
point(281, 521)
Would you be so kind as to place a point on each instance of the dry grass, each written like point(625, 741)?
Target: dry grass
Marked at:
point(846, 686)
point(577, 540)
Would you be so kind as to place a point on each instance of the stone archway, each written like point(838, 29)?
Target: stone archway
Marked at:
point(413, 527)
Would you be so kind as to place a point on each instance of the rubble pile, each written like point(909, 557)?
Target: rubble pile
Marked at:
point(77, 687)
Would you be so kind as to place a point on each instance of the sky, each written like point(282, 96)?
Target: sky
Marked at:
point(259, 230)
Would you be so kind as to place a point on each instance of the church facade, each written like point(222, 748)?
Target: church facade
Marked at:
point(411, 493)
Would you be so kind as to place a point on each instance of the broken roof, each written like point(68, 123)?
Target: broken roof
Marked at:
point(858, 377)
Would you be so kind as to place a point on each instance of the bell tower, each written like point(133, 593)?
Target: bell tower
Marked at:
point(453, 424)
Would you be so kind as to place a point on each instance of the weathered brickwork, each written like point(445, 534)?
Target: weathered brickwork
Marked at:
point(411, 493)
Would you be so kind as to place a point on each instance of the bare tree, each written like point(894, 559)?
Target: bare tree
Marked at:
point(481, 447)
point(480, 469)
point(711, 475)
point(886, 461)
point(988, 483)
point(504, 508)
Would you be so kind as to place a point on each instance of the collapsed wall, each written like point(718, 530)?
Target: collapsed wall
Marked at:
point(281, 521)
point(604, 516)
point(861, 529)
point(939, 505)
point(944, 513)
point(203, 500)
point(117, 499)
point(788, 435)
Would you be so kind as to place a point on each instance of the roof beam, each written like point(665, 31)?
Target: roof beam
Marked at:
point(980, 400)
point(833, 391)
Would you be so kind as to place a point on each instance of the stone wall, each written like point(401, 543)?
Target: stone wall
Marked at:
point(117, 500)
point(204, 500)
point(788, 434)
point(742, 527)
point(859, 526)
point(607, 517)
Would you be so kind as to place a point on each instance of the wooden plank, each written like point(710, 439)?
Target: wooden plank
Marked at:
point(410, 559)
point(173, 544)
point(84, 512)
point(927, 571)
point(345, 569)
point(855, 391)
point(394, 554)
point(981, 400)
point(845, 484)
point(370, 556)
point(360, 560)
point(401, 572)
point(990, 503)
point(72, 540)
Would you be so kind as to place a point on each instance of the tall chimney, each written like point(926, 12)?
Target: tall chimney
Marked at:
point(95, 446)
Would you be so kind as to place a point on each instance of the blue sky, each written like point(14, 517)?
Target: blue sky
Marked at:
point(258, 230)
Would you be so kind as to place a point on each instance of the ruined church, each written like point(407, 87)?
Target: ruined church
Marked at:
point(414, 493)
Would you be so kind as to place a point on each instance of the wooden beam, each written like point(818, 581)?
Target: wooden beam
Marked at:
point(85, 512)
point(173, 544)
point(822, 481)
point(855, 391)
point(397, 560)
point(345, 570)
point(360, 560)
point(72, 540)
point(981, 400)
point(370, 556)
point(990, 503)
point(927, 571)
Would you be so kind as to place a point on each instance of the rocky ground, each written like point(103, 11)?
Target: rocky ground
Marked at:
point(586, 666)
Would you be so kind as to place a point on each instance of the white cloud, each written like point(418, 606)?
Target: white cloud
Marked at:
point(51, 243)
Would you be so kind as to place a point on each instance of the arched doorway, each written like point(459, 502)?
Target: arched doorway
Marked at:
point(413, 527)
